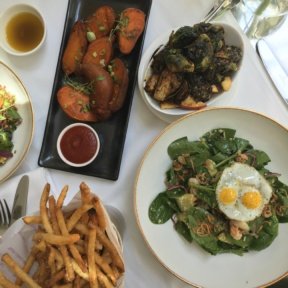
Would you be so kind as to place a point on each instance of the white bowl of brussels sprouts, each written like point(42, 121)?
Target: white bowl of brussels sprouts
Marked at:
point(190, 68)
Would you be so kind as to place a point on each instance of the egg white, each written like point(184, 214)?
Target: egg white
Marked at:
point(243, 178)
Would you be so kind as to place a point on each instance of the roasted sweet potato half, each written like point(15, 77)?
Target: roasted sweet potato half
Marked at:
point(120, 78)
point(75, 104)
point(75, 48)
point(101, 21)
point(102, 84)
point(99, 52)
point(131, 26)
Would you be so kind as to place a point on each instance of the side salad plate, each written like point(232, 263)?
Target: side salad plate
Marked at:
point(217, 144)
point(16, 122)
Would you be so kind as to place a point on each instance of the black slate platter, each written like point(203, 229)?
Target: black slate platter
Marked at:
point(112, 132)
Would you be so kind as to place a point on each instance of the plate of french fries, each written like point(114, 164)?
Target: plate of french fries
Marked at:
point(73, 246)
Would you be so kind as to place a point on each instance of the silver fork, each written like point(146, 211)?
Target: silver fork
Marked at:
point(218, 8)
point(5, 216)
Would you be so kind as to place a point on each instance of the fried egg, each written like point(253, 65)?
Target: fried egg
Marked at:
point(242, 192)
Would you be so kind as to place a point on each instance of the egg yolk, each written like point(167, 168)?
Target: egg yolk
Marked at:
point(251, 199)
point(227, 195)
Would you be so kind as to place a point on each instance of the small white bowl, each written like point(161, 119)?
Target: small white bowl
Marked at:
point(6, 16)
point(60, 137)
point(231, 36)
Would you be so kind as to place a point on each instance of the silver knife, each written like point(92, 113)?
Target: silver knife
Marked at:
point(20, 200)
point(274, 68)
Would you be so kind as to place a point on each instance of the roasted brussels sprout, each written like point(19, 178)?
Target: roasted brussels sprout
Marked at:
point(199, 88)
point(182, 37)
point(177, 62)
point(200, 52)
point(216, 35)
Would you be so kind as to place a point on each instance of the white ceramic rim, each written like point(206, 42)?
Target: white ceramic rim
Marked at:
point(145, 64)
point(59, 148)
point(21, 7)
point(137, 208)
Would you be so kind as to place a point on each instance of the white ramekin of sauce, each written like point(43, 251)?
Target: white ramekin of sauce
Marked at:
point(22, 29)
point(78, 144)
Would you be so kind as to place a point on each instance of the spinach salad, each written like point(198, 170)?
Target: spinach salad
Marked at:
point(193, 205)
point(9, 121)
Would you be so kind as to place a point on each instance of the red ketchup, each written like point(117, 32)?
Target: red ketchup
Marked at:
point(78, 144)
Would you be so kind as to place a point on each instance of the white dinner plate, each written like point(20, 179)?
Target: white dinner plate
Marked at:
point(23, 135)
point(231, 36)
point(188, 261)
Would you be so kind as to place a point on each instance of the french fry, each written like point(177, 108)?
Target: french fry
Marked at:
point(5, 283)
point(100, 213)
point(85, 193)
point(107, 256)
point(43, 210)
point(56, 278)
point(68, 285)
point(111, 248)
point(43, 271)
point(103, 279)
point(59, 259)
point(77, 282)
point(63, 249)
point(67, 262)
point(56, 239)
point(52, 260)
point(16, 269)
point(28, 265)
point(32, 220)
point(41, 246)
point(82, 228)
point(72, 221)
point(62, 196)
point(103, 265)
point(53, 218)
point(75, 253)
point(86, 199)
point(79, 272)
point(91, 258)
point(115, 271)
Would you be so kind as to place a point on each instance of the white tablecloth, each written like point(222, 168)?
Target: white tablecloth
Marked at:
point(254, 91)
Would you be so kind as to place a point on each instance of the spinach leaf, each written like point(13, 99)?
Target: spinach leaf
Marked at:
point(183, 230)
point(162, 209)
point(267, 234)
point(244, 242)
point(175, 192)
point(226, 147)
point(171, 178)
point(196, 218)
point(208, 196)
point(219, 133)
point(242, 144)
point(198, 160)
point(258, 159)
point(218, 157)
point(183, 146)
point(230, 146)
point(281, 205)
